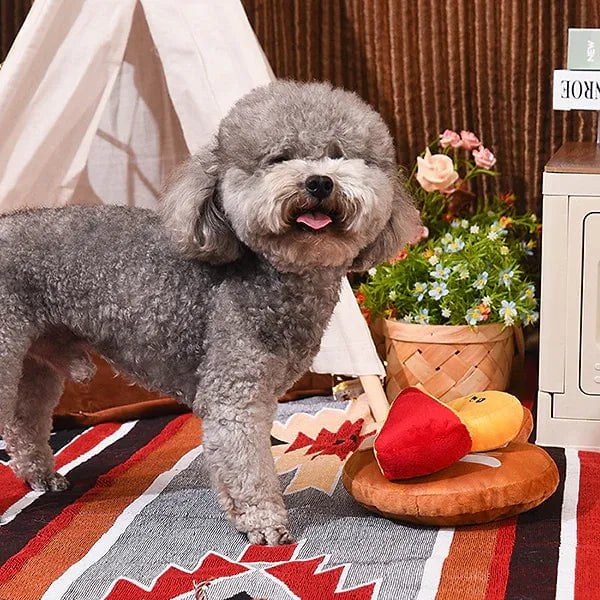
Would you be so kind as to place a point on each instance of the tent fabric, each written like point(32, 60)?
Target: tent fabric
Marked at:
point(100, 99)
point(347, 346)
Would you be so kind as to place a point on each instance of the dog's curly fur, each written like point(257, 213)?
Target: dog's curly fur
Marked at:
point(220, 301)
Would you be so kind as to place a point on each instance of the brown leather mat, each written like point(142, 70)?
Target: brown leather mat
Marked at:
point(111, 397)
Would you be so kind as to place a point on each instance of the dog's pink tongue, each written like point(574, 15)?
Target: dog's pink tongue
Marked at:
point(314, 220)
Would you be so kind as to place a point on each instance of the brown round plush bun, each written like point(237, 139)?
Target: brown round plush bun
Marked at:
point(464, 493)
point(526, 427)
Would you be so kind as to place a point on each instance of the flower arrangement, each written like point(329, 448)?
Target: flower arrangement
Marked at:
point(470, 264)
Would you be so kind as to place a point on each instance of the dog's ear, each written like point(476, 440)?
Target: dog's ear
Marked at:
point(402, 227)
point(190, 210)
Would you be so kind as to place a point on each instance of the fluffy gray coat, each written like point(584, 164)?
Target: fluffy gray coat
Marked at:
point(220, 301)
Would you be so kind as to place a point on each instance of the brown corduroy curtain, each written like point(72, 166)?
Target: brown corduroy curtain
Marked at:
point(430, 64)
point(12, 15)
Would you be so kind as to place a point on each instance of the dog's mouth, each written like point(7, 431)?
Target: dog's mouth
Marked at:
point(315, 220)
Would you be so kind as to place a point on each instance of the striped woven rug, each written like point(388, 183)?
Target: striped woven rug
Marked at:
point(140, 522)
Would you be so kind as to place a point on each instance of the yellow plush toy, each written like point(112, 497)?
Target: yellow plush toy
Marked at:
point(493, 418)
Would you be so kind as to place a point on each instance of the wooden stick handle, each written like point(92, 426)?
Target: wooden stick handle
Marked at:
point(376, 396)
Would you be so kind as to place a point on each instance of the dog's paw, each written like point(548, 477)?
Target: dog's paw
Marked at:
point(266, 524)
point(53, 482)
point(270, 536)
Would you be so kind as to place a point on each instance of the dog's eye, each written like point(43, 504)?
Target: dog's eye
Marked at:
point(278, 158)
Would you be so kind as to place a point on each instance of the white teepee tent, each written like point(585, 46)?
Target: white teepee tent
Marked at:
point(99, 99)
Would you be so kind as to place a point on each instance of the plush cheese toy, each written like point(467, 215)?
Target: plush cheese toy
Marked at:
point(462, 462)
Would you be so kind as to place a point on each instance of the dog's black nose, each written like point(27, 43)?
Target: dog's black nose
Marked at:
point(319, 186)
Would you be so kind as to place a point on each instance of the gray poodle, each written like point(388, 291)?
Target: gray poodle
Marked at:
point(219, 301)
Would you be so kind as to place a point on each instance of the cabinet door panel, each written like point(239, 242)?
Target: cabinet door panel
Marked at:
point(590, 310)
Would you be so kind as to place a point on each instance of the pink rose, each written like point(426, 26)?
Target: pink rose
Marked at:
point(484, 158)
point(450, 138)
point(435, 171)
point(469, 140)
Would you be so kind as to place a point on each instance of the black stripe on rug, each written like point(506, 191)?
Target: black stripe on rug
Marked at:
point(58, 440)
point(276, 442)
point(537, 543)
point(16, 534)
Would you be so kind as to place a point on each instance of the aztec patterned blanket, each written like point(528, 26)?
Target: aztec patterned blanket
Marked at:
point(140, 522)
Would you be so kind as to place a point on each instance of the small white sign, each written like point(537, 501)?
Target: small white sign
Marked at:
point(584, 49)
point(576, 90)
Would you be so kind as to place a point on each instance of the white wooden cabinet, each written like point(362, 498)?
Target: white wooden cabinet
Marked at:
point(569, 381)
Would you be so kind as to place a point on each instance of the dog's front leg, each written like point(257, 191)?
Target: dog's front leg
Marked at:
point(237, 447)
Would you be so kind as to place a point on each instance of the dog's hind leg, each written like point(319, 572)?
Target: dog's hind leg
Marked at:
point(65, 354)
point(27, 422)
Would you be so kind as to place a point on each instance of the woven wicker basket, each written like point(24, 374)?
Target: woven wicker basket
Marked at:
point(447, 361)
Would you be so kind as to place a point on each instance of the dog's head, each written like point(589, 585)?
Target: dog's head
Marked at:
point(303, 174)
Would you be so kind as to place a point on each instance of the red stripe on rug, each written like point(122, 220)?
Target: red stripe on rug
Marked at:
point(587, 562)
point(17, 488)
point(13, 489)
point(270, 554)
point(12, 566)
point(84, 443)
point(312, 580)
point(174, 582)
point(499, 567)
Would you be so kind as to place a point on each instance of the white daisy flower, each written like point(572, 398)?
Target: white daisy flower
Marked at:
point(531, 317)
point(505, 277)
point(508, 312)
point(423, 317)
point(528, 293)
point(438, 290)
point(454, 245)
point(481, 280)
point(440, 272)
point(474, 315)
point(419, 290)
